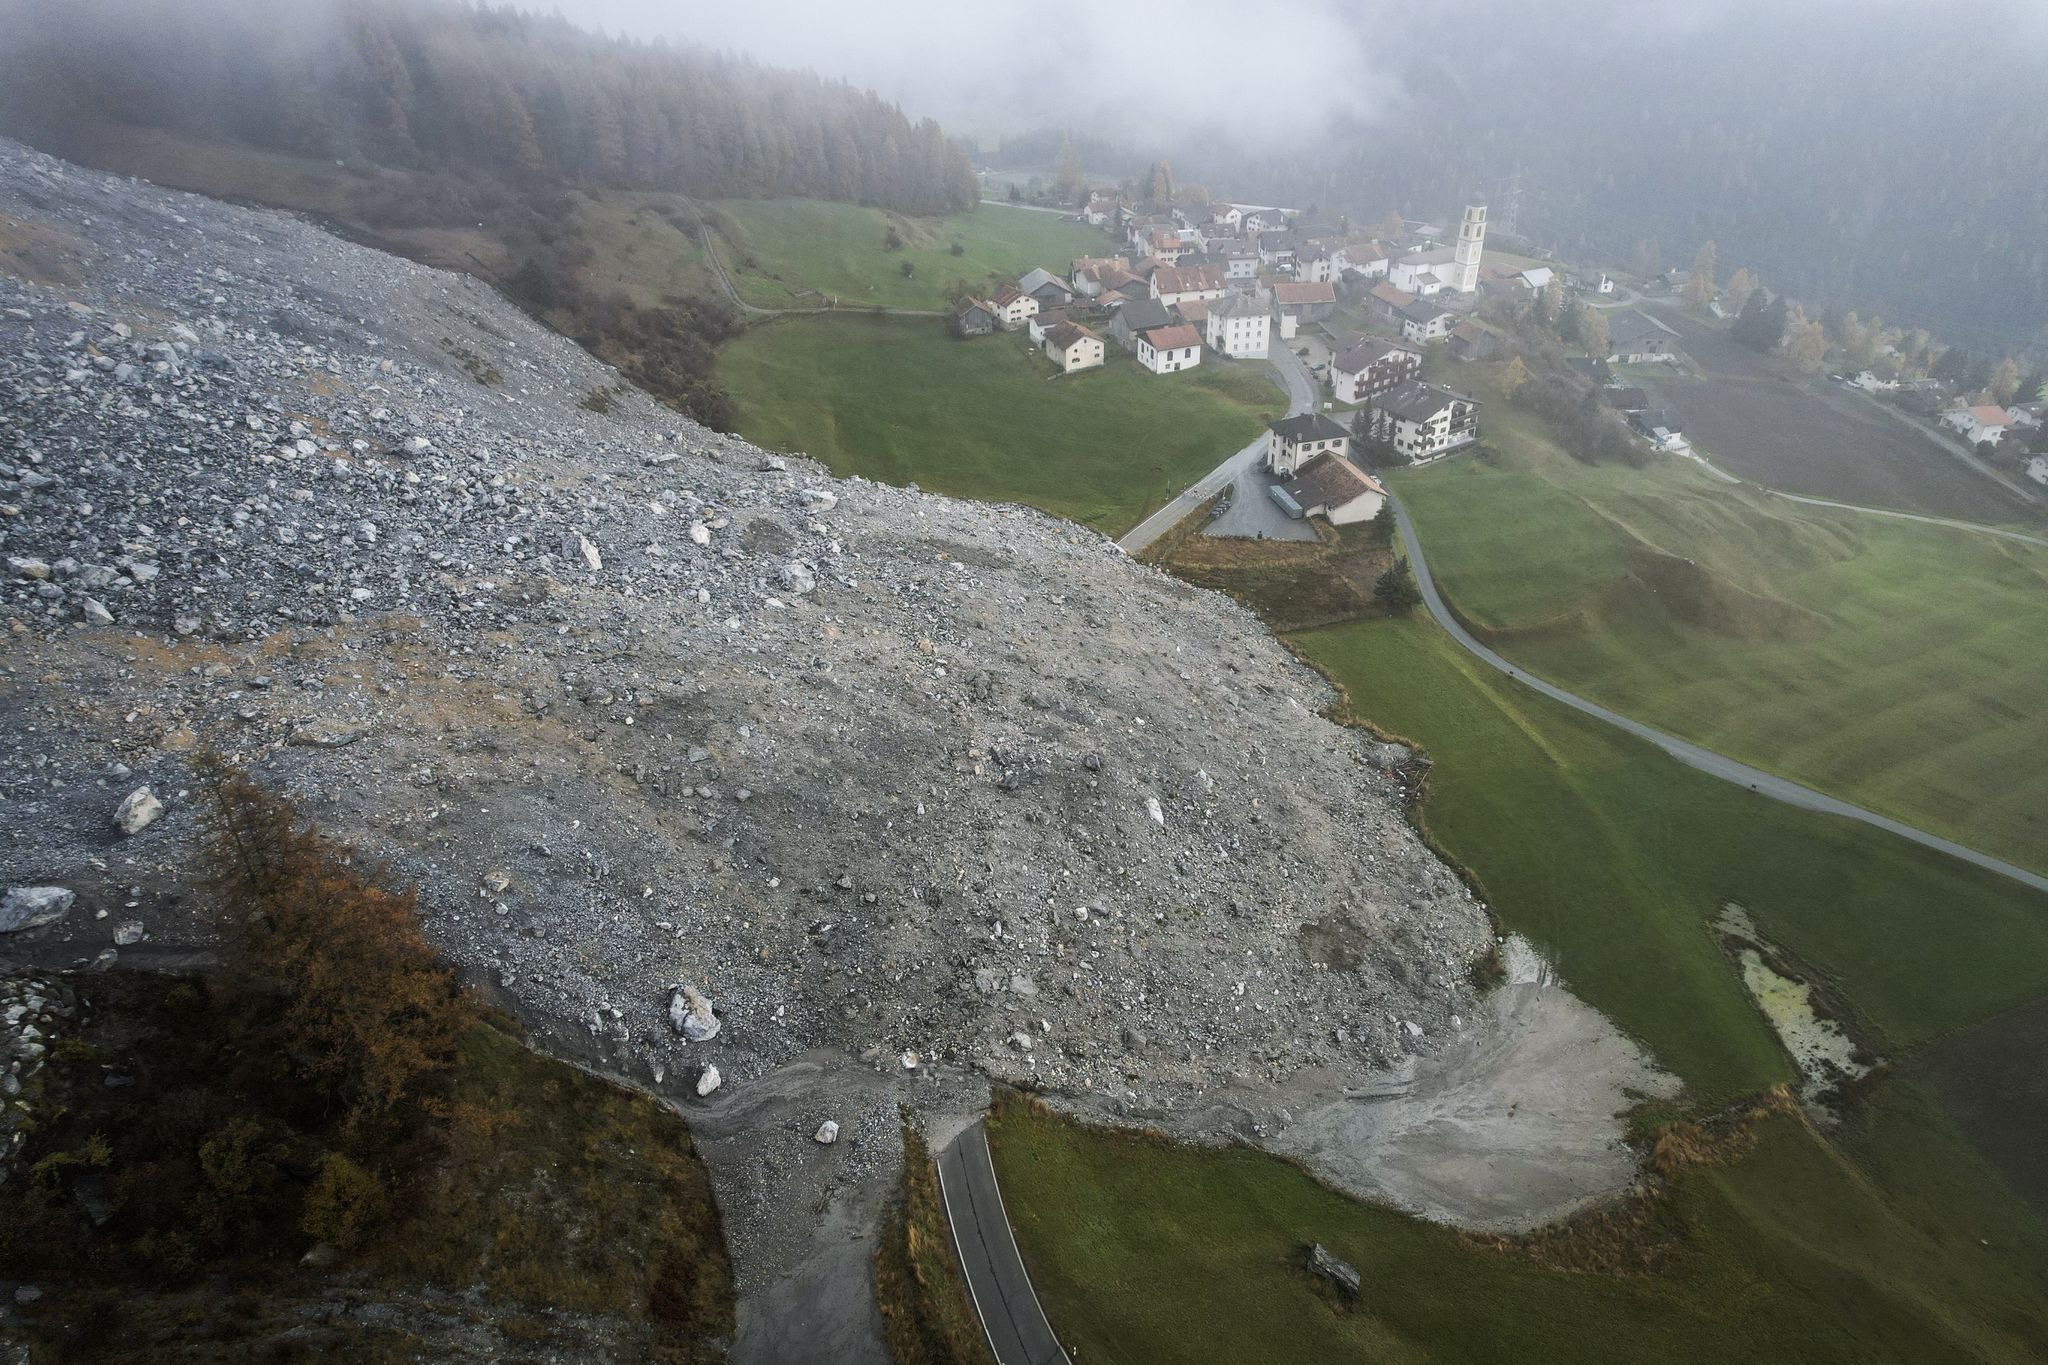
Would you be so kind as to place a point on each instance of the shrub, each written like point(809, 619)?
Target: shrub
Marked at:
point(1396, 591)
point(345, 1205)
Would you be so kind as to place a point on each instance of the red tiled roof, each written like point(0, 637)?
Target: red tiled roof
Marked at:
point(1063, 336)
point(1172, 338)
point(1300, 294)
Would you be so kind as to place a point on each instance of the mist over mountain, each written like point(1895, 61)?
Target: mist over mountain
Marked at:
point(1886, 156)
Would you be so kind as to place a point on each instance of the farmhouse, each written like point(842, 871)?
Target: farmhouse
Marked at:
point(1658, 426)
point(1073, 347)
point(1013, 307)
point(1101, 208)
point(1049, 289)
point(1470, 341)
point(1175, 284)
point(1167, 245)
point(1422, 421)
point(1372, 367)
point(1241, 325)
point(1635, 339)
point(1978, 424)
point(1368, 262)
point(1292, 442)
point(1299, 303)
point(1042, 322)
point(1423, 322)
point(1331, 486)
point(1164, 350)
point(1387, 301)
point(1136, 318)
point(975, 318)
point(1320, 262)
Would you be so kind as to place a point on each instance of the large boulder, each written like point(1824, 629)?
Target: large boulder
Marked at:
point(31, 907)
point(690, 1013)
point(137, 811)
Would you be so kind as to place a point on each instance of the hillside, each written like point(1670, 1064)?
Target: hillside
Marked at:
point(913, 794)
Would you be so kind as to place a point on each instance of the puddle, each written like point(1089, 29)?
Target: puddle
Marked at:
point(1828, 1058)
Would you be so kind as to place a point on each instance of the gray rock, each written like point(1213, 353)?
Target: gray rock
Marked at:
point(691, 1015)
point(798, 578)
point(827, 1134)
point(96, 612)
point(709, 1080)
point(137, 811)
point(1339, 1273)
point(129, 933)
point(30, 907)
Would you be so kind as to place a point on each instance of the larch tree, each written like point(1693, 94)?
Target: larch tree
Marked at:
point(1699, 282)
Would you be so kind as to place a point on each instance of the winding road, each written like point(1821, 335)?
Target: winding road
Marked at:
point(1302, 394)
point(1692, 755)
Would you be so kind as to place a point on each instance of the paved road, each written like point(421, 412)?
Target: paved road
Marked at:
point(1692, 755)
point(1302, 396)
point(1017, 1330)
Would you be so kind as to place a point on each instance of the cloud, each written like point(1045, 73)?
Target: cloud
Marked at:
point(1276, 70)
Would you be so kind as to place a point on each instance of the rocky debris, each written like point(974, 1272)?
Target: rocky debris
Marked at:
point(138, 811)
point(34, 1009)
point(1342, 1274)
point(708, 1080)
point(827, 1134)
point(31, 907)
point(129, 933)
point(858, 805)
point(691, 1015)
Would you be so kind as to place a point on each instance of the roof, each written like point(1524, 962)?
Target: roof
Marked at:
point(970, 305)
point(1008, 295)
point(1987, 415)
point(1235, 247)
point(1170, 279)
point(1424, 312)
point(1414, 401)
point(1063, 337)
point(1309, 426)
point(1142, 315)
point(1625, 399)
point(1172, 338)
point(1193, 310)
point(1300, 295)
point(1392, 297)
point(1629, 325)
point(1356, 359)
point(1330, 480)
point(1250, 303)
point(1443, 255)
point(1082, 263)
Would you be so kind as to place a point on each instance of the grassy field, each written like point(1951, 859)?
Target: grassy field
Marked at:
point(1757, 417)
point(1901, 665)
point(1144, 1252)
point(903, 400)
point(1615, 859)
point(798, 253)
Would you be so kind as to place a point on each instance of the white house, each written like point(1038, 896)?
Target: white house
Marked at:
point(1073, 347)
point(1537, 277)
point(2037, 469)
point(1422, 421)
point(1423, 322)
point(1172, 285)
point(1320, 263)
point(1228, 217)
point(1984, 422)
point(1875, 381)
point(1292, 442)
point(1278, 249)
point(1368, 262)
point(1423, 273)
point(1331, 486)
point(1371, 367)
point(1240, 260)
point(1164, 350)
point(1013, 307)
point(1241, 325)
point(1101, 208)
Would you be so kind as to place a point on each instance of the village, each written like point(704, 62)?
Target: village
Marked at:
point(1377, 323)
point(1366, 318)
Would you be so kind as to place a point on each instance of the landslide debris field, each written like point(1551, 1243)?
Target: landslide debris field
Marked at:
point(700, 758)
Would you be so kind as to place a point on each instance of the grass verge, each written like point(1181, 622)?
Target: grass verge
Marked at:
point(927, 1315)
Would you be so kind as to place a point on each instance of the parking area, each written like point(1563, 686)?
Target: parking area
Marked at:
point(1253, 514)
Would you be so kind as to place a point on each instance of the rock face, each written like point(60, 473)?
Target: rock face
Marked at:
point(31, 907)
point(849, 757)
